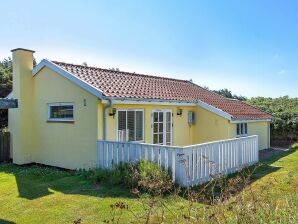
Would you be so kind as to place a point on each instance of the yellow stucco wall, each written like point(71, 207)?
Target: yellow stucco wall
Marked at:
point(210, 126)
point(254, 128)
point(262, 130)
point(68, 145)
point(74, 145)
point(182, 132)
point(21, 119)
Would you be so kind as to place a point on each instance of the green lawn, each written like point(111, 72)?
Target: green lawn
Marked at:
point(33, 194)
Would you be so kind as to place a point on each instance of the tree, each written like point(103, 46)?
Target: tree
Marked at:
point(5, 86)
point(285, 111)
point(5, 77)
point(228, 94)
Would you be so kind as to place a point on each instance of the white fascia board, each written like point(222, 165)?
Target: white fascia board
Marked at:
point(69, 76)
point(151, 102)
point(206, 106)
point(214, 110)
point(250, 120)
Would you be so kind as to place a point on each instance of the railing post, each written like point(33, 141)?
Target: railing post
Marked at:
point(257, 147)
point(173, 165)
point(189, 165)
point(100, 154)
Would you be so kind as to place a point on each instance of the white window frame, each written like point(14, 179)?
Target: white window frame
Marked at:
point(242, 133)
point(164, 126)
point(60, 119)
point(126, 110)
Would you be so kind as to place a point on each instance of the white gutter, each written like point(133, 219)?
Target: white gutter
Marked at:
point(106, 104)
point(172, 103)
point(249, 120)
point(152, 102)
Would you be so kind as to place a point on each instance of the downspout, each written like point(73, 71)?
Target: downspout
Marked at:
point(106, 105)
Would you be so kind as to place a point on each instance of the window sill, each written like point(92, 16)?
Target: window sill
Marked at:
point(141, 142)
point(240, 136)
point(60, 121)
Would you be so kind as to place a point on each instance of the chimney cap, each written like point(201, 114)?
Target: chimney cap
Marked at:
point(22, 49)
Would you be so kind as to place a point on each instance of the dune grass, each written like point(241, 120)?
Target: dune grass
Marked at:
point(34, 194)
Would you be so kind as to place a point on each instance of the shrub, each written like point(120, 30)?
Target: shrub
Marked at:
point(141, 176)
point(153, 179)
point(294, 146)
point(97, 175)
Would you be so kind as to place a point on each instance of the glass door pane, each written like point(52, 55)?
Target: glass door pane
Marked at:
point(168, 130)
point(158, 127)
point(162, 127)
point(155, 128)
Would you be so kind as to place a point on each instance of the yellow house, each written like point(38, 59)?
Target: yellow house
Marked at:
point(64, 109)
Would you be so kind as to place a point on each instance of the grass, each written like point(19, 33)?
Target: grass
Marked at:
point(34, 194)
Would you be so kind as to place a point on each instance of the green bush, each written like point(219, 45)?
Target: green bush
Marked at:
point(285, 111)
point(142, 176)
point(153, 179)
point(95, 175)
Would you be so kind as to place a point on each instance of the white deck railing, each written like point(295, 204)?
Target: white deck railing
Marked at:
point(189, 165)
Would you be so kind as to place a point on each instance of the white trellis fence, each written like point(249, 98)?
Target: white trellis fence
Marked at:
point(188, 165)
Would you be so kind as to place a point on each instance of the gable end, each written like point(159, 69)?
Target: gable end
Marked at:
point(69, 76)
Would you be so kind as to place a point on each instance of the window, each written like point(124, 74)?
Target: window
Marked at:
point(130, 125)
point(61, 112)
point(241, 129)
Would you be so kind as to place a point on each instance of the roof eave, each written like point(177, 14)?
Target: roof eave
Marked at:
point(126, 100)
point(215, 110)
point(248, 120)
point(89, 88)
point(123, 100)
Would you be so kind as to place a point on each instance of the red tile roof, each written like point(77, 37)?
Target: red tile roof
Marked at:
point(131, 85)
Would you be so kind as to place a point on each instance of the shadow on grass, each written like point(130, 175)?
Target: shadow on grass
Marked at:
point(235, 183)
point(35, 181)
point(267, 158)
point(2, 221)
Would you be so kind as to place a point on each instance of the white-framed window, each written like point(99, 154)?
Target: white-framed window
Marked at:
point(241, 129)
point(61, 112)
point(130, 125)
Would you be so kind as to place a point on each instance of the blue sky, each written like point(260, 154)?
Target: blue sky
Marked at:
point(249, 47)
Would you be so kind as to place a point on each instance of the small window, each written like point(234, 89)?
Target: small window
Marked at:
point(61, 112)
point(241, 129)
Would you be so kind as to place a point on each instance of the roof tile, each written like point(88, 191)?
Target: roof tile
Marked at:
point(131, 85)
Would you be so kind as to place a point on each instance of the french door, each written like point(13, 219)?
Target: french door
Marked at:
point(162, 127)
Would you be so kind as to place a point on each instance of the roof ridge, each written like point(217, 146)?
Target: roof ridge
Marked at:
point(211, 91)
point(122, 72)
